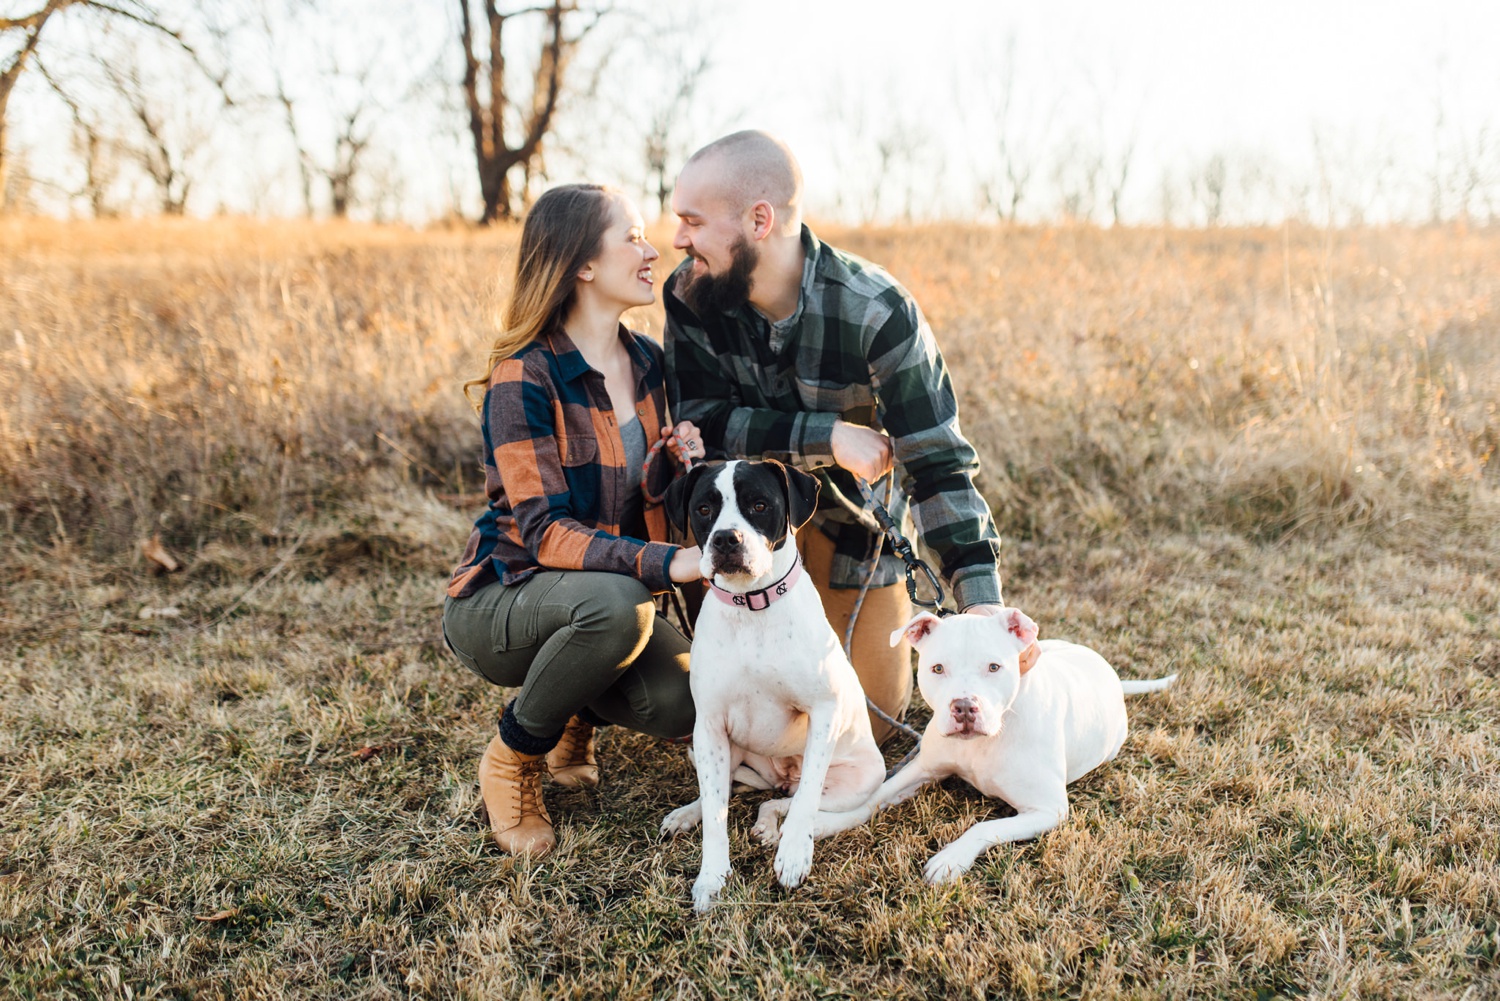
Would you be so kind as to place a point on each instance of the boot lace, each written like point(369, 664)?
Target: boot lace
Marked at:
point(529, 786)
point(573, 746)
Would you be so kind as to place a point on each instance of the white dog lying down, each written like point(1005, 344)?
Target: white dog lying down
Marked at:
point(1020, 737)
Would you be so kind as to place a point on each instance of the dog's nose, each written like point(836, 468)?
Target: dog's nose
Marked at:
point(965, 710)
point(727, 540)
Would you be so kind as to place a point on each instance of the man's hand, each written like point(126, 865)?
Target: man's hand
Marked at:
point(863, 451)
point(684, 566)
point(986, 609)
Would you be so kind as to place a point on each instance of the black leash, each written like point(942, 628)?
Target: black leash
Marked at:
point(915, 565)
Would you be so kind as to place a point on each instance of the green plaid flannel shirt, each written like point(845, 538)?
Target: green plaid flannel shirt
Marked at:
point(856, 347)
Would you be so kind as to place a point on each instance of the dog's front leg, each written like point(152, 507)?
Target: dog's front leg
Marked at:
point(795, 852)
point(712, 756)
point(954, 860)
point(896, 789)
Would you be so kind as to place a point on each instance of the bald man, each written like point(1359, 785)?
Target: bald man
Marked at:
point(783, 347)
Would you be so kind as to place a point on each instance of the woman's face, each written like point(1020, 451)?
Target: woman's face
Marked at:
point(621, 273)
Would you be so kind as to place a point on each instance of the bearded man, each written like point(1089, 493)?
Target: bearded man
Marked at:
point(780, 346)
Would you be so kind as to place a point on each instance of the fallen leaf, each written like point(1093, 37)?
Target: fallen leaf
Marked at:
point(366, 753)
point(154, 551)
point(223, 915)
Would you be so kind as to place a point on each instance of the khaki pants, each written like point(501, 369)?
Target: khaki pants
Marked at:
point(884, 670)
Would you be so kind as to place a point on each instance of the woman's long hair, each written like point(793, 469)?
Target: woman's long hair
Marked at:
point(564, 231)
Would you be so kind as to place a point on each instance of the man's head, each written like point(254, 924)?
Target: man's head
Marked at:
point(732, 196)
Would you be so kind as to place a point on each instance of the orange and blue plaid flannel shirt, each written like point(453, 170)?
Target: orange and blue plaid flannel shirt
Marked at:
point(554, 470)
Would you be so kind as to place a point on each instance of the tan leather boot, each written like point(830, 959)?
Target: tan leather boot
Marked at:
point(511, 784)
point(572, 761)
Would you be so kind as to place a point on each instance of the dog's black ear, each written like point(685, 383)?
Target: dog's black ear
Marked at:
point(801, 493)
point(675, 501)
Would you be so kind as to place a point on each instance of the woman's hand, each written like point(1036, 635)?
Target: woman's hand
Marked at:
point(688, 443)
point(684, 566)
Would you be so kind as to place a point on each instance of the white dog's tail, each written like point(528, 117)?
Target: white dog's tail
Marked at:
point(1142, 687)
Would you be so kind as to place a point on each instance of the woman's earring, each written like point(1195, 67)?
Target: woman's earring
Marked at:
point(587, 276)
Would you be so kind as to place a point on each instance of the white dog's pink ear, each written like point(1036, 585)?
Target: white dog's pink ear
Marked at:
point(1019, 624)
point(915, 631)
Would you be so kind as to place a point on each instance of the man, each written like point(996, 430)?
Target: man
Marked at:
point(782, 347)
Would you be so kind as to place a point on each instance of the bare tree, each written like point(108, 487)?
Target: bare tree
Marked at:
point(29, 29)
point(1208, 185)
point(493, 104)
point(663, 132)
point(23, 34)
point(94, 148)
point(1010, 138)
point(169, 139)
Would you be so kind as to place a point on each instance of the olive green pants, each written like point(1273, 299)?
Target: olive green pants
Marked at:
point(574, 640)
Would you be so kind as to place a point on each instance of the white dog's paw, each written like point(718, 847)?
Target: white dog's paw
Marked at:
point(767, 829)
point(682, 820)
point(706, 888)
point(794, 858)
point(947, 865)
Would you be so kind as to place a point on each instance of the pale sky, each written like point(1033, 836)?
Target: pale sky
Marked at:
point(839, 78)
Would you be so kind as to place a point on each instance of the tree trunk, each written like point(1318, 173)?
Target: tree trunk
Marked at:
point(33, 26)
point(488, 103)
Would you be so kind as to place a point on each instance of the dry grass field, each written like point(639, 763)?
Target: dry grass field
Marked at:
point(1263, 459)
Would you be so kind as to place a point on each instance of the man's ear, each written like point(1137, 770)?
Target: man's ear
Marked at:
point(762, 219)
point(675, 501)
point(1019, 625)
point(917, 630)
point(801, 493)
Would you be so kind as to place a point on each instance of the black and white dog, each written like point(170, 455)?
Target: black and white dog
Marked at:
point(778, 702)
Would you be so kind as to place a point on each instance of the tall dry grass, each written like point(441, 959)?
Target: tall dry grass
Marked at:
point(1264, 460)
point(222, 380)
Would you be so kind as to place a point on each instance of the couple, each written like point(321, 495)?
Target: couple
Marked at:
point(777, 346)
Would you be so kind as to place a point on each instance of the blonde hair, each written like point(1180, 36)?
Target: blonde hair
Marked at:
point(563, 232)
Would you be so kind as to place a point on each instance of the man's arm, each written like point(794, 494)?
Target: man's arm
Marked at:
point(920, 412)
point(699, 389)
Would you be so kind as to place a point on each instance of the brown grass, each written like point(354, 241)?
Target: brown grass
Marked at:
point(1302, 524)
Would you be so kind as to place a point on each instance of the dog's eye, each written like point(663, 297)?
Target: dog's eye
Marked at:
point(937, 668)
point(759, 507)
point(704, 510)
point(994, 668)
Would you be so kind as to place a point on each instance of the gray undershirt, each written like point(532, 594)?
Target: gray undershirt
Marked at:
point(632, 519)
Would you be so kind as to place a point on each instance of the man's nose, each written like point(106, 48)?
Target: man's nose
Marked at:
point(680, 239)
point(727, 540)
point(965, 710)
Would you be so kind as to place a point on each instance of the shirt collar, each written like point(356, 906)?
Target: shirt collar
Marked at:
point(571, 363)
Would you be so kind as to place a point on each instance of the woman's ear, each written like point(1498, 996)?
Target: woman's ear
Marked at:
point(587, 274)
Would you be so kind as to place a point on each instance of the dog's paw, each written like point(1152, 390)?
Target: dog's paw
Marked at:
point(794, 859)
point(682, 820)
point(947, 865)
point(767, 831)
point(706, 890)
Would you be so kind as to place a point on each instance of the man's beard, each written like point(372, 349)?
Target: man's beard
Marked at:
point(726, 292)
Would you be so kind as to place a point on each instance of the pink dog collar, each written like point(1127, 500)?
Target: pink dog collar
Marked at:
point(760, 600)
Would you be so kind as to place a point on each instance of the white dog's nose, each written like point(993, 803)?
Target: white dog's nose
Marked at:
point(965, 710)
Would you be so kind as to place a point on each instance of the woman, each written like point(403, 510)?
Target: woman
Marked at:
point(554, 592)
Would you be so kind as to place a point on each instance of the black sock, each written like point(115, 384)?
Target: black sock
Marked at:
point(518, 738)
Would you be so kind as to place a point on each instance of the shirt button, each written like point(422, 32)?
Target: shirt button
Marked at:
point(640, 411)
